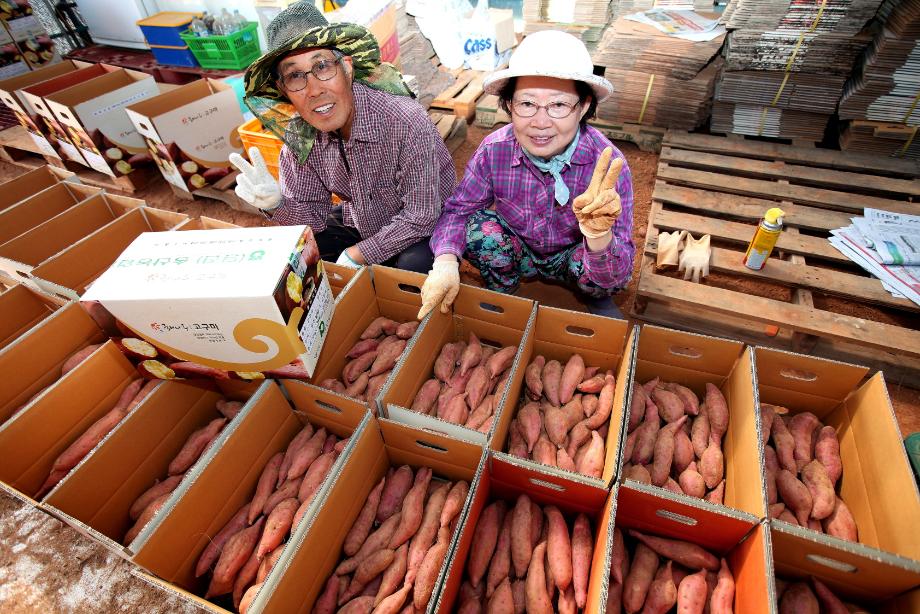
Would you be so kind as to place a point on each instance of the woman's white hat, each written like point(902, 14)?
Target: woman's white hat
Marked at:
point(550, 53)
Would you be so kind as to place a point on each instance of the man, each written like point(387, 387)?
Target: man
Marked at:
point(540, 197)
point(356, 133)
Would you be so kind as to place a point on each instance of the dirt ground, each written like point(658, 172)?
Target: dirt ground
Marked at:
point(45, 566)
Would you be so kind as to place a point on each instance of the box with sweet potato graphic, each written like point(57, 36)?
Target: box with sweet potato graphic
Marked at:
point(236, 303)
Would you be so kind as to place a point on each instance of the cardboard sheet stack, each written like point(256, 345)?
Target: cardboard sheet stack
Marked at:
point(585, 19)
point(415, 61)
point(626, 7)
point(882, 95)
point(786, 63)
point(658, 80)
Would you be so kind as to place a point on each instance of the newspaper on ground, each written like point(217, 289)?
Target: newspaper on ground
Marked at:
point(688, 25)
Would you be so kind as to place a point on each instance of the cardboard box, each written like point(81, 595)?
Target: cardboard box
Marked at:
point(131, 459)
point(316, 547)
point(205, 223)
point(169, 547)
point(46, 133)
point(21, 308)
point(503, 20)
point(35, 436)
point(877, 484)
point(68, 273)
point(497, 319)
point(693, 360)
point(214, 297)
point(93, 115)
point(190, 132)
point(906, 603)
point(498, 482)
point(602, 342)
point(749, 557)
point(375, 291)
point(37, 209)
point(31, 183)
point(341, 277)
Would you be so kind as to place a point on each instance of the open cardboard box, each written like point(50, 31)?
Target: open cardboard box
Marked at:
point(22, 308)
point(190, 132)
point(133, 456)
point(38, 208)
point(34, 437)
point(44, 134)
point(502, 481)
point(693, 360)
point(68, 273)
point(32, 182)
point(749, 556)
point(877, 484)
point(372, 292)
point(316, 547)
point(37, 355)
point(905, 603)
point(225, 479)
point(602, 342)
point(498, 320)
point(340, 277)
point(207, 223)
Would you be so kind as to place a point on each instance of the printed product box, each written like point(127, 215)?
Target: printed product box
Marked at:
point(93, 115)
point(190, 132)
point(22, 308)
point(11, 61)
point(246, 303)
point(46, 133)
point(693, 361)
point(604, 343)
point(876, 483)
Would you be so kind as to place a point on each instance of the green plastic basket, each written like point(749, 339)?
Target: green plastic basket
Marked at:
point(235, 51)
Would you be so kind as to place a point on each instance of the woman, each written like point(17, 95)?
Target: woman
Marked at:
point(538, 198)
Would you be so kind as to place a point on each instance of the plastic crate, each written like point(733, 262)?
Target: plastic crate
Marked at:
point(173, 56)
point(234, 51)
point(252, 134)
point(165, 29)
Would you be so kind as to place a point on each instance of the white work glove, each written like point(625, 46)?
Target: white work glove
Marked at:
point(694, 260)
point(599, 206)
point(668, 247)
point(345, 260)
point(441, 286)
point(255, 183)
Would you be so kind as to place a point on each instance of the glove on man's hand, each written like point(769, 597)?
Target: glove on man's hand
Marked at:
point(255, 183)
point(668, 247)
point(599, 206)
point(441, 285)
point(694, 260)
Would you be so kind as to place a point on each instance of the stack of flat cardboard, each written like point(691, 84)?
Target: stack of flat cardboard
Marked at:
point(627, 7)
point(418, 60)
point(585, 19)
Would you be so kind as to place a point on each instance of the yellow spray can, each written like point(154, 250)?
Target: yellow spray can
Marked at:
point(765, 238)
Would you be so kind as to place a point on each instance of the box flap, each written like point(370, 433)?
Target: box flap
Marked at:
point(21, 308)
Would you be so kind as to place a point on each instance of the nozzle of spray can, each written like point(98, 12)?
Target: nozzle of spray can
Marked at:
point(761, 245)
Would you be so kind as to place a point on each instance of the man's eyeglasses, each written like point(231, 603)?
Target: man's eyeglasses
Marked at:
point(556, 110)
point(323, 70)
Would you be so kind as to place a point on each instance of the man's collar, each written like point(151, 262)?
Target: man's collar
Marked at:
point(365, 120)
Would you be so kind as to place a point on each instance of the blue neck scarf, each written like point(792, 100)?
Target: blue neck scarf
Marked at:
point(554, 167)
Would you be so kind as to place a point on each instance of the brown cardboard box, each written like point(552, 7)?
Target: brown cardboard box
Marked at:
point(504, 482)
point(340, 277)
point(602, 342)
point(905, 603)
point(498, 320)
point(877, 484)
point(205, 223)
point(316, 547)
point(169, 547)
point(37, 355)
point(133, 456)
point(693, 360)
point(31, 183)
point(190, 132)
point(35, 209)
point(21, 309)
point(749, 557)
point(68, 273)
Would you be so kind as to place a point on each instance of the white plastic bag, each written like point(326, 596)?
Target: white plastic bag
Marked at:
point(439, 21)
point(480, 46)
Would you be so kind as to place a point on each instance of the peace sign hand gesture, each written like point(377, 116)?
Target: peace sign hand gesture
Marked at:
point(255, 184)
point(598, 208)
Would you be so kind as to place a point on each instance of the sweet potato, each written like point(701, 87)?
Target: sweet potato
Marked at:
point(767, 414)
point(536, 595)
point(830, 603)
point(651, 385)
point(374, 385)
point(277, 527)
point(500, 565)
point(572, 375)
point(195, 446)
point(691, 593)
point(775, 509)
point(358, 605)
point(787, 516)
point(363, 346)
point(296, 443)
point(717, 494)
point(365, 521)
point(315, 476)
point(472, 354)
point(827, 452)
point(532, 377)
point(77, 357)
point(249, 596)
point(373, 565)
point(723, 595)
point(482, 413)
point(692, 483)
point(552, 379)
point(604, 404)
point(387, 357)
point(245, 579)
point(784, 443)
point(579, 434)
point(478, 386)
point(712, 465)
point(166, 486)
point(427, 396)
point(841, 523)
point(717, 411)
point(407, 329)
point(268, 563)
point(687, 397)
point(582, 553)
point(456, 410)
point(592, 385)
point(393, 603)
point(146, 516)
point(530, 421)
point(502, 599)
point(636, 406)
point(823, 499)
point(556, 424)
point(521, 541)
point(699, 434)
point(380, 326)
point(802, 427)
point(795, 495)
point(637, 582)
point(647, 435)
point(429, 518)
point(485, 538)
point(683, 451)
point(592, 463)
point(501, 361)
point(212, 551)
point(662, 593)
point(558, 548)
point(445, 362)
point(679, 551)
point(637, 473)
point(306, 454)
point(454, 502)
point(798, 599)
point(771, 466)
point(357, 366)
point(393, 575)
point(428, 571)
point(663, 456)
point(326, 602)
point(356, 388)
point(670, 407)
point(236, 552)
point(377, 540)
point(586, 403)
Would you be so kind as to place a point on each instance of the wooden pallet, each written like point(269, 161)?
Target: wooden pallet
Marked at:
point(648, 138)
point(461, 97)
point(452, 128)
point(722, 187)
point(489, 113)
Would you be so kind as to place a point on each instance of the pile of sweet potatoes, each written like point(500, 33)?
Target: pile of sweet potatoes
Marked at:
point(564, 415)
point(675, 441)
point(653, 574)
point(802, 469)
point(244, 551)
point(527, 558)
point(130, 397)
point(397, 545)
point(797, 597)
point(146, 506)
point(372, 358)
point(467, 383)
